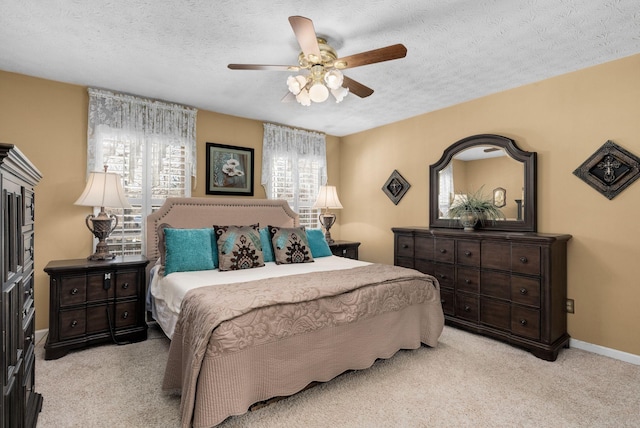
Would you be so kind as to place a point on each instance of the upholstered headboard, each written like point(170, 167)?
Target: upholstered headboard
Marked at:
point(205, 212)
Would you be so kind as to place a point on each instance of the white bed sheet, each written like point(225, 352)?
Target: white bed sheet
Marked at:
point(167, 292)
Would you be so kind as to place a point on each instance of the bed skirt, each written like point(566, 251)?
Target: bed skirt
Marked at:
point(287, 366)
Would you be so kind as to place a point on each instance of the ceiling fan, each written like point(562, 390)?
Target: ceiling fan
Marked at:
point(324, 66)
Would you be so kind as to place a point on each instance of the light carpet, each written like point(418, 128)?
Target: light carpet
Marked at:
point(466, 381)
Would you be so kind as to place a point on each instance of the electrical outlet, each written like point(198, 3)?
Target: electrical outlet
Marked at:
point(570, 306)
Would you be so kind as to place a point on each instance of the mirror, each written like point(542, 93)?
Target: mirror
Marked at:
point(494, 166)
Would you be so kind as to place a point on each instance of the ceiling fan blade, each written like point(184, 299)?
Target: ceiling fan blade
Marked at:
point(263, 67)
point(371, 57)
point(306, 35)
point(356, 88)
point(288, 98)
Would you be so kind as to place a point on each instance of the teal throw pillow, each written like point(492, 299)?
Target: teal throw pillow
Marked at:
point(318, 243)
point(189, 250)
point(267, 249)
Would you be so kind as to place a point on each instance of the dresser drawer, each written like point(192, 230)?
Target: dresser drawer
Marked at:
point(468, 253)
point(495, 284)
point(525, 291)
point(423, 247)
point(425, 266)
point(404, 245)
point(445, 274)
point(525, 259)
point(495, 255)
point(447, 300)
point(525, 322)
point(72, 290)
point(72, 323)
point(404, 262)
point(467, 307)
point(444, 250)
point(495, 313)
point(467, 279)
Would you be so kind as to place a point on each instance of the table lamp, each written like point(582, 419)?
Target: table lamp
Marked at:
point(104, 189)
point(327, 199)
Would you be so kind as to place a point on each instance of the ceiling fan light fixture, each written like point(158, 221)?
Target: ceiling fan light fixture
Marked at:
point(296, 83)
point(333, 78)
point(339, 93)
point(303, 97)
point(318, 92)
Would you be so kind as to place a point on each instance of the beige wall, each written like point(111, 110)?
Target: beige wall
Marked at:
point(565, 120)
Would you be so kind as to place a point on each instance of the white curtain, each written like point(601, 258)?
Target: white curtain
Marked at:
point(141, 119)
point(445, 194)
point(302, 151)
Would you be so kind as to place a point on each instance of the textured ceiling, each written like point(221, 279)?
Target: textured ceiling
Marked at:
point(178, 51)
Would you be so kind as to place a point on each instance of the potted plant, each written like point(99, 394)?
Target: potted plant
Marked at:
point(471, 208)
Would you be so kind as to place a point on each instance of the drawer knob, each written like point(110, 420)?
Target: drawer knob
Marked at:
point(523, 322)
point(74, 291)
point(467, 281)
point(74, 323)
point(125, 285)
point(405, 246)
point(443, 301)
point(442, 250)
point(125, 315)
point(523, 291)
point(467, 253)
point(442, 276)
point(523, 259)
point(467, 308)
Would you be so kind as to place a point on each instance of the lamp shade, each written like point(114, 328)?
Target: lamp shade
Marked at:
point(103, 189)
point(328, 198)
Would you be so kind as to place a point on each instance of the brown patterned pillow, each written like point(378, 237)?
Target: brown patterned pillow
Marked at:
point(290, 245)
point(239, 247)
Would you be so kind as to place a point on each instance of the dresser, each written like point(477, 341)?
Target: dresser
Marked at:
point(348, 249)
point(93, 302)
point(507, 285)
point(20, 404)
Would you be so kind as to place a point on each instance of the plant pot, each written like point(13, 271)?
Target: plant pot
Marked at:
point(468, 220)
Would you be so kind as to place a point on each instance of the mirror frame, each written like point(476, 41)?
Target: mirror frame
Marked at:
point(529, 161)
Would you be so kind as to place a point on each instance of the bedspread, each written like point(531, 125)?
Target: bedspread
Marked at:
point(215, 321)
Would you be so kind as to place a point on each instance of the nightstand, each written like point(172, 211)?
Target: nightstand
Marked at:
point(348, 249)
point(95, 301)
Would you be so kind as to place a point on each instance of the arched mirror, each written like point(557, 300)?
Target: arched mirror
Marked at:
point(494, 166)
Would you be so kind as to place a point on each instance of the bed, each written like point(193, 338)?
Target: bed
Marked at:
point(239, 337)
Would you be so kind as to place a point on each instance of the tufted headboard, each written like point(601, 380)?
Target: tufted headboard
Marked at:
point(205, 212)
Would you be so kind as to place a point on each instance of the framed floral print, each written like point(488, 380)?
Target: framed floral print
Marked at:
point(229, 170)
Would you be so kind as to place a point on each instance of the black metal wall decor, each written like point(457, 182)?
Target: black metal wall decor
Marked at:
point(395, 187)
point(610, 170)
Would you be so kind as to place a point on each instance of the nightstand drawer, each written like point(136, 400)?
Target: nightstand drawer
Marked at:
point(72, 290)
point(126, 284)
point(346, 249)
point(72, 323)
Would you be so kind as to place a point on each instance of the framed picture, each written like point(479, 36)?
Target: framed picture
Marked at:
point(499, 197)
point(229, 170)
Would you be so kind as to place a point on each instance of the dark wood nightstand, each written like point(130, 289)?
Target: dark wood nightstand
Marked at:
point(348, 249)
point(95, 301)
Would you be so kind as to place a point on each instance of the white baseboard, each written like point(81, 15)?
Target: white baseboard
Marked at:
point(41, 334)
point(607, 352)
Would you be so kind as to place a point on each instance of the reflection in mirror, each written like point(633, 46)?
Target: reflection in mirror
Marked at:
point(486, 168)
point(493, 163)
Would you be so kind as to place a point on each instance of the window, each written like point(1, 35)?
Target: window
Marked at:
point(153, 153)
point(294, 168)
